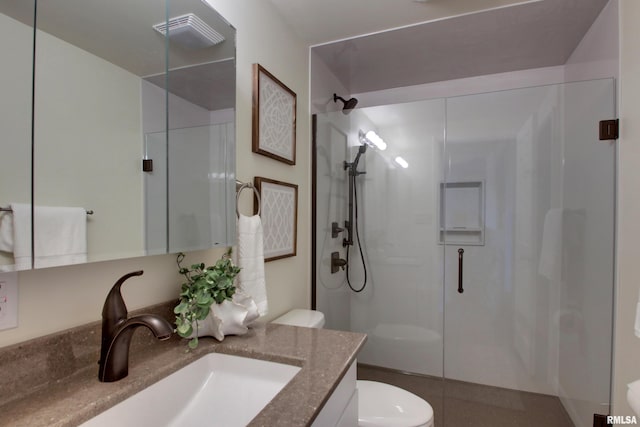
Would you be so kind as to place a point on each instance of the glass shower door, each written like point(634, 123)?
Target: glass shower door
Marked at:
point(400, 307)
point(527, 222)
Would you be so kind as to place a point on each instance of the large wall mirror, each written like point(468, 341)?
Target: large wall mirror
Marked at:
point(97, 88)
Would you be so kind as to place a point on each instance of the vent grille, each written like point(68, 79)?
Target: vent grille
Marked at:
point(190, 31)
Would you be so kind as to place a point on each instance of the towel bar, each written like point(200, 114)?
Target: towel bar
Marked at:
point(89, 211)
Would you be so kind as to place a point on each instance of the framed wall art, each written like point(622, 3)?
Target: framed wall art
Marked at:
point(279, 215)
point(274, 117)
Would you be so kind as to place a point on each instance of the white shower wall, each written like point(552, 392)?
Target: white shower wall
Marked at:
point(398, 259)
point(401, 308)
point(497, 331)
point(332, 293)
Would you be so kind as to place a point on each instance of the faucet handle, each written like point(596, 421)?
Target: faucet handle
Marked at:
point(114, 308)
point(114, 313)
point(337, 262)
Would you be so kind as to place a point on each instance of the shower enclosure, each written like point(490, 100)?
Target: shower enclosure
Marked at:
point(488, 252)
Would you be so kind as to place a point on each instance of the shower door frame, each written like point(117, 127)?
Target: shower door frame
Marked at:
point(608, 153)
point(314, 252)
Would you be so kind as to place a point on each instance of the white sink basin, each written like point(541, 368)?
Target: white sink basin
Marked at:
point(217, 389)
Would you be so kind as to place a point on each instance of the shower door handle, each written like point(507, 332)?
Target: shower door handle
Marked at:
point(460, 253)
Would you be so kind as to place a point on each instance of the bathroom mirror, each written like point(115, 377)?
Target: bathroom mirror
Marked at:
point(111, 91)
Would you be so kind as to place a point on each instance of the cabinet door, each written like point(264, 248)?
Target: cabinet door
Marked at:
point(16, 78)
point(112, 90)
point(342, 407)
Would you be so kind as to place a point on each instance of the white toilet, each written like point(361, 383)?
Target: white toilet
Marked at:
point(379, 404)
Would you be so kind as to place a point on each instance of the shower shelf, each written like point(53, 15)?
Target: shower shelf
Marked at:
point(461, 213)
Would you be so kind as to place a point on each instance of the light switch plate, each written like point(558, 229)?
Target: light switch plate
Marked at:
point(8, 300)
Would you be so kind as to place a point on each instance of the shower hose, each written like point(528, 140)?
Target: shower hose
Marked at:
point(355, 224)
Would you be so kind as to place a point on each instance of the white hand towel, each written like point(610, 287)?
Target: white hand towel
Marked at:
point(633, 396)
point(251, 279)
point(61, 235)
point(6, 232)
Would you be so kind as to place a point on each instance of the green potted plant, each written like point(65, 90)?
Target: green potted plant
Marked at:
point(205, 287)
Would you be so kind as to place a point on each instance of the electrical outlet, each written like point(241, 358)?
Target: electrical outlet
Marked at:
point(8, 300)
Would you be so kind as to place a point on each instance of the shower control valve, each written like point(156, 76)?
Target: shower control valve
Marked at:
point(337, 262)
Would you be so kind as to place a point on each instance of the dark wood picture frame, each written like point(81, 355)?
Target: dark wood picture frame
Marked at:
point(279, 215)
point(274, 117)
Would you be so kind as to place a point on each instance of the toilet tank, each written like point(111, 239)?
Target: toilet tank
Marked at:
point(301, 317)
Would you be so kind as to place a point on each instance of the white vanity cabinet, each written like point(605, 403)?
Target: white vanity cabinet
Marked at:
point(341, 409)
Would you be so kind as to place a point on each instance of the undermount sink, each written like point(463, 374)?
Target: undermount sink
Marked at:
point(217, 389)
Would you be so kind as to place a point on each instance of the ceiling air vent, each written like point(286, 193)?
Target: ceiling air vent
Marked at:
point(190, 31)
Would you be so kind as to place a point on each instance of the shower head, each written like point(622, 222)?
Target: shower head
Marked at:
point(348, 104)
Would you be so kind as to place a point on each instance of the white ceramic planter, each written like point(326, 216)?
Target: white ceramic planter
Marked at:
point(231, 317)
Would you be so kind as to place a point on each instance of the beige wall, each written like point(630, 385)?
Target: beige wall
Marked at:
point(627, 345)
point(263, 37)
point(58, 298)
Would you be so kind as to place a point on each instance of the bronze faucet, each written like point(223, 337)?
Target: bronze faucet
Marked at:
point(117, 331)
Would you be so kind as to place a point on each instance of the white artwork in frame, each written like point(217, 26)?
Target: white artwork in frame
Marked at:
point(279, 216)
point(274, 117)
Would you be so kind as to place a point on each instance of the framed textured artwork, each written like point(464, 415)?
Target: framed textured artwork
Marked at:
point(279, 215)
point(274, 117)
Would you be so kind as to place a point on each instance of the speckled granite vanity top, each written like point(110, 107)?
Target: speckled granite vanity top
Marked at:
point(52, 381)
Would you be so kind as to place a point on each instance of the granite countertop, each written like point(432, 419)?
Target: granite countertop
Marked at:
point(70, 397)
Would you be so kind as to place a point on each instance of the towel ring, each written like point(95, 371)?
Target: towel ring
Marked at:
point(255, 191)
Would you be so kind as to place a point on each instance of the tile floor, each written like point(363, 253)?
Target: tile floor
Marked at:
point(475, 405)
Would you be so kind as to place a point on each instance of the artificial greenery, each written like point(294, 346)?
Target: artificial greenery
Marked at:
point(204, 286)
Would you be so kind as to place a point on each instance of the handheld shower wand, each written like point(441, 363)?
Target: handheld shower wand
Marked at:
point(352, 169)
point(353, 221)
point(353, 166)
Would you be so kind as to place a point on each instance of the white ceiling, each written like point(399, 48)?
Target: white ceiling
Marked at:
point(321, 21)
point(463, 38)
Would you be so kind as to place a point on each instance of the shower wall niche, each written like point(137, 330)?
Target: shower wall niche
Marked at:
point(462, 221)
